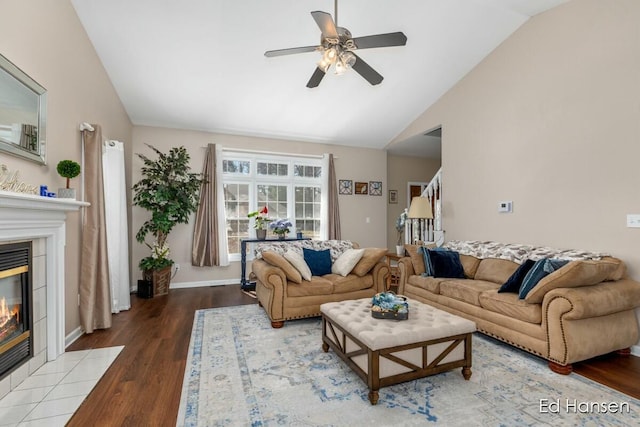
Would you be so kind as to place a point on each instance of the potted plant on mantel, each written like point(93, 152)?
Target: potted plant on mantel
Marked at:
point(169, 191)
point(67, 169)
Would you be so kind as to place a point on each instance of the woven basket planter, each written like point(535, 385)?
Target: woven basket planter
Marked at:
point(160, 278)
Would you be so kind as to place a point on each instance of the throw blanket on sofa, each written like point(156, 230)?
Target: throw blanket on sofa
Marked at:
point(337, 247)
point(518, 253)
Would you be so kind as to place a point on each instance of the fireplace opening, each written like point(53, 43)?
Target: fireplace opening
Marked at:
point(16, 339)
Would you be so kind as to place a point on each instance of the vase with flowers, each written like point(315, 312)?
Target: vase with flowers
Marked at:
point(261, 219)
point(400, 225)
point(280, 227)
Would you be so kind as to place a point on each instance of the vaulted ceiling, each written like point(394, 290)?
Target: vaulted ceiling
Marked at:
point(200, 64)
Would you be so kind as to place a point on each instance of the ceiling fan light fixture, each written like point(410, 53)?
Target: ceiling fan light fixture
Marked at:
point(337, 46)
point(330, 55)
point(324, 65)
point(348, 59)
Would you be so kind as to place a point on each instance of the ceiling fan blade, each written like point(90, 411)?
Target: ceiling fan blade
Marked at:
point(316, 78)
point(365, 70)
point(381, 40)
point(290, 51)
point(325, 22)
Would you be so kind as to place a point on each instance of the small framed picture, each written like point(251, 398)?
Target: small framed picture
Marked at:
point(345, 186)
point(375, 188)
point(393, 197)
point(362, 188)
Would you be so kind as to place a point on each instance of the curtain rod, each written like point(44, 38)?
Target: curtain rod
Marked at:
point(86, 126)
point(272, 153)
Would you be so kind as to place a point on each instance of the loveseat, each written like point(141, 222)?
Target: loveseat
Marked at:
point(582, 307)
point(287, 290)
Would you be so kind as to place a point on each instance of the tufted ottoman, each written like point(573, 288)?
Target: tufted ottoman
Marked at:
point(386, 352)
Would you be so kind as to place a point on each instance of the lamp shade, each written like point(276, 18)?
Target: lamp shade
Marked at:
point(420, 208)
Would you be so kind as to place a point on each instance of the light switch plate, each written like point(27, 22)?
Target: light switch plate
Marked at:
point(633, 220)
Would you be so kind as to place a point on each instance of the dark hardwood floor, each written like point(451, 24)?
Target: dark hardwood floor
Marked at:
point(143, 386)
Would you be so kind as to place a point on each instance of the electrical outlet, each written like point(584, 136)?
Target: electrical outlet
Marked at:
point(177, 266)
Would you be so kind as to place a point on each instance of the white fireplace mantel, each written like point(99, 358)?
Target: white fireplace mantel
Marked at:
point(27, 216)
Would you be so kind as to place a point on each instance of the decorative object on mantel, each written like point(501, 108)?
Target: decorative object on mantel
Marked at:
point(68, 169)
point(261, 220)
point(44, 192)
point(9, 181)
point(400, 225)
point(169, 191)
point(281, 227)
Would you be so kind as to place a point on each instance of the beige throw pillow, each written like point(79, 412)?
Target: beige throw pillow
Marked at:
point(416, 258)
point(297, 260)
point(370, 257)
point(278, 260)
point(572, 275)
point(345, 262)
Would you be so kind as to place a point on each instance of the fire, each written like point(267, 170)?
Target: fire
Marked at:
point(7, 313)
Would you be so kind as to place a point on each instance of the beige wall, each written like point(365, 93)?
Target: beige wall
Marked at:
point(402, 170)
point(351, 163)
point(551, 121)
point(46, 40)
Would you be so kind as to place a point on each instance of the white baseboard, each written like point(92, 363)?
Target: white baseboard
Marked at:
point(183, 285)
point(635, 350)
point(73, 336)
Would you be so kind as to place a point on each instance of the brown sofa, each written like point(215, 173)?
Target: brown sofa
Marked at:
point(284, 299)
point(582, 310)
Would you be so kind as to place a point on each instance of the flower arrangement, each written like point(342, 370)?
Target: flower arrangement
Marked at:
point(159, 257)
point(389, 301)
point(280, 226)
point(400, 222)
point(261, 218)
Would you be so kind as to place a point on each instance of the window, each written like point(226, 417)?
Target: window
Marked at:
point(307, 207)
point(289, 187)
point(236, 200)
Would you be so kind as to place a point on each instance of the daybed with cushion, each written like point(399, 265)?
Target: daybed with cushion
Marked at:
point(562, 305)
point(294, 278)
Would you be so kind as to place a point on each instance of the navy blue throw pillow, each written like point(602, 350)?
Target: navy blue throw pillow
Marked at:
point(514, 282)
point(541, 269)
point(446, 264)
point(319, 262)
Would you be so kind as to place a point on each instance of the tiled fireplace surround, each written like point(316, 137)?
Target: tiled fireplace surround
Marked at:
point(40, 220)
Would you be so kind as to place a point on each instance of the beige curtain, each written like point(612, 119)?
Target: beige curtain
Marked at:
point(334, 210)
point(95, 301)
point(205, 251)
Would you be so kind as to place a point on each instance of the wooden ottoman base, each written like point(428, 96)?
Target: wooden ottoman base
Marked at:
point(394, 365)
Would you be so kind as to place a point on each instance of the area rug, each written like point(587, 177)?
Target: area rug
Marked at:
point(242, 372)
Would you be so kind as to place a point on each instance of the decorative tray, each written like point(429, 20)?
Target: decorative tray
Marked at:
point(388, 305)
point(390, 314)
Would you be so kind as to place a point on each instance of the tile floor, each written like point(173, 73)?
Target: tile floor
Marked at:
point(54, 392)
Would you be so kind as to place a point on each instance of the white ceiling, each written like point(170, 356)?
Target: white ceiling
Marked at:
point(200, 64)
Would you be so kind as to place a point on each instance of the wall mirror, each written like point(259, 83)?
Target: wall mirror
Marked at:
point(23, 106)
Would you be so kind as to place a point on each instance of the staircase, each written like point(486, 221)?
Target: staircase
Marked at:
point(428, 230)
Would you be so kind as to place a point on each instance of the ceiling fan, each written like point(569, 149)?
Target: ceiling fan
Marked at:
point(337, 47)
